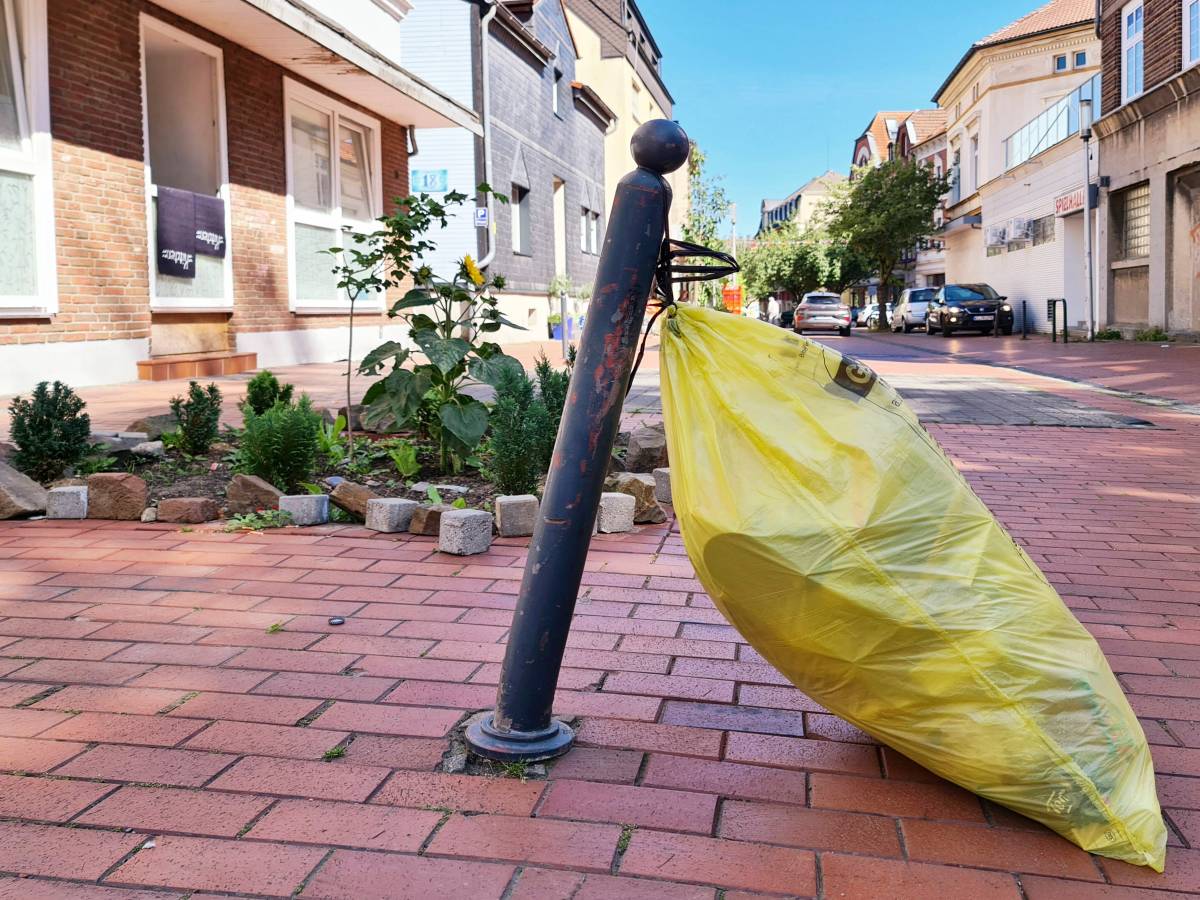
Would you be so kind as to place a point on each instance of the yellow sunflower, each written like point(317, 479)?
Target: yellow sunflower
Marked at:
point(473, 270)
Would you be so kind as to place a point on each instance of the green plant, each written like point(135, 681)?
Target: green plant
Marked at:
point(553, 385)
point(280, 445)
point(554, 319)
point(50, 431)
point(171, 439)
point(520, 425)
point(434, 495)
point(333, 753)
point(429, 392)
point(264, 391)
point(404, 457)
point(1109, 334)
point(275, 628)
point(1154, 335)
point(257, 521)
point(97, 460)
point(199, 418)
point(331, 443)
point(459, 503)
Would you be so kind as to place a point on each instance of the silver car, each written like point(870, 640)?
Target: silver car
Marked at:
point(912, 309)
point(819, 311)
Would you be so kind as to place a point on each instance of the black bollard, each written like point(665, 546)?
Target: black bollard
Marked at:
point(522, 728)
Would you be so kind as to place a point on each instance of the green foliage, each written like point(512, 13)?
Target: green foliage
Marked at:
point(434, 495)
point(257, 521)
point(199, 418)
point(1153, 335)
point(883, 212)
point(97, 460)
point(334, 753)
point(331, 442)
point(280, 445)
point(459, 503)
point(424, 388)
point(264, 391)
point(520, 425)
point(784, 259)
point(1109, 334)
point(404, 456)
point(707, 207)
point(553, 385)
point(50, 431)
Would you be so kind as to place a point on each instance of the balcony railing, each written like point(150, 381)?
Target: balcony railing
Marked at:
point(1052, 126)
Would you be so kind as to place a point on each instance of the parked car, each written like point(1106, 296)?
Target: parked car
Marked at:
point(819, 311)
point(912, 309)
point(968, 307)
point(873, 315)
point(862, 313)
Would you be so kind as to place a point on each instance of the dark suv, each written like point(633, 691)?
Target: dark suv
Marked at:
point(968, 307)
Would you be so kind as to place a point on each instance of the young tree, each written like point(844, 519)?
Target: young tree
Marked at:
point(708, 206)
point(786, 260)
point(885, 211)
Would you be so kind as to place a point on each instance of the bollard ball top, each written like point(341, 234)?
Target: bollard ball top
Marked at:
point(660, 145)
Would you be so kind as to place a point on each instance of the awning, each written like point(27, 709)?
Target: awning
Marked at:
point(962, 223)
point(302, 42)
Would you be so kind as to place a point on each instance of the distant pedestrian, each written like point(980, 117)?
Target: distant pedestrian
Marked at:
point(773, 311)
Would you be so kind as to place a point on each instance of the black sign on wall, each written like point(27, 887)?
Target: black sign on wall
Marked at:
point(176, 233)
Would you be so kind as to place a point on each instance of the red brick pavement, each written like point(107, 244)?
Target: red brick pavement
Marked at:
point(158, 736)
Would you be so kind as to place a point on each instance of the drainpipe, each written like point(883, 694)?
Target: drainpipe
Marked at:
point(485, 22)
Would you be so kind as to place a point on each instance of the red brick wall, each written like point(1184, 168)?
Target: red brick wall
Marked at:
point(100, 213)
point(1163, 50)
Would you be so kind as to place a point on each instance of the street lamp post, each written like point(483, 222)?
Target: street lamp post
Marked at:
point(1085, 132)
point(522, 728)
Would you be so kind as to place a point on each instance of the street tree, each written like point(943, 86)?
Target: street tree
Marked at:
point(708, 205)
point(885, 211)
point(784, 260)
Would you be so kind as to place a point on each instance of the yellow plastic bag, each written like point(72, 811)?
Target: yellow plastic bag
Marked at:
point(833, 533)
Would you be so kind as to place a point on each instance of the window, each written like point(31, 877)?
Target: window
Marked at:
point(975, 162)
point(27, 274)
point(1042, 231)
point(334, 187)
point(1131, 213)
point(1080, 59)
point(1060, 63)
point(519, 204)
point(1191, 32)
point(183, 95)
point(589, 231)
point(1132, 18)
point(555, 91)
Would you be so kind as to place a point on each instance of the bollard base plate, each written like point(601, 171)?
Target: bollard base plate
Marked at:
point(484, 739)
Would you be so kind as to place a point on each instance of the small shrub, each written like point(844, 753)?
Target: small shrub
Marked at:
point(331, 442)
point(199, 418)
point(1152, 335)
point(514, 466)
point(264, 391)
point(257, 521)
point(50, 431)
point(1108, 334)
point(280, 445)
point(97, 460)
point(404, 457)
point(553, 386)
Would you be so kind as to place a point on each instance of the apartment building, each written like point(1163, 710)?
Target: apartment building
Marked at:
point(620, 61)
point(877, 144)
point(1010, 113)
point(544, 148)
point(170, 173)
point(799, 207)
point(922, 139)
point(1149, 247)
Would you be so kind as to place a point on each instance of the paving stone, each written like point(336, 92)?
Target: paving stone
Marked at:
point(67, 503)
point(795, 826)
point(188, 510)
point(867, 877)
point(357, 875)
point(156, 809)
point(62, 852)
point(347, 825)
point(616, 513)
point(465, 532)
point(116, 495)
point(517, 515)
point(306, 509)
point(642, 489)
point(463, 793)
point(298, 778)
point(47, 799)
point(662, 486)
point(390, 515)
point(628, 805)
point(729, 864)
point(573, 845)
point(188, 768)
point(249, 493)
point(427, 519)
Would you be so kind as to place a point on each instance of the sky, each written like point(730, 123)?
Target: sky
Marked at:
point(777, 91)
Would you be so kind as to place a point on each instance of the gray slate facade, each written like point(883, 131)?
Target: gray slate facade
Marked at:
point(533, 146)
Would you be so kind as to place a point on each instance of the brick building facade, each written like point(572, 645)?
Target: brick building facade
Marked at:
point(118, 99)
point(1149, 242)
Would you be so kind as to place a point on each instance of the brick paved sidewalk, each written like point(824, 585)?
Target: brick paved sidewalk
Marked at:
point(168, 699)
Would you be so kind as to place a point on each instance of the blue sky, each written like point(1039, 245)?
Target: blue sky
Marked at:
point(776, 91)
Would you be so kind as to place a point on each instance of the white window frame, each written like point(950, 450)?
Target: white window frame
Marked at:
point(1126, 45)
point(1066, 63)
point(295, 92)
point(185, 304)
point(32, 81)
point(1191, 55)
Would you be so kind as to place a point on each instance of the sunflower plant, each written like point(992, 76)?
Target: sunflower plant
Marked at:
point(421, 382)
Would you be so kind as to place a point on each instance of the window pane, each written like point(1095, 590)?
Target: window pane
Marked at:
point(10, 121)
point(182, 113)
point(1134, 220)
point(314, 270)
point(356, 175)
point(18, 256)
point(312, 187)
point(1194, 31)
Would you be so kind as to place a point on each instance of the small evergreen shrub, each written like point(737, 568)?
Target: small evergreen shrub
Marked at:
point(1108, 334)
point(264, 391)
point(50, 431)
point(552, 391)
point(199, 417)
point(1153, 335)
point(280, 446)
point(520, 423)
